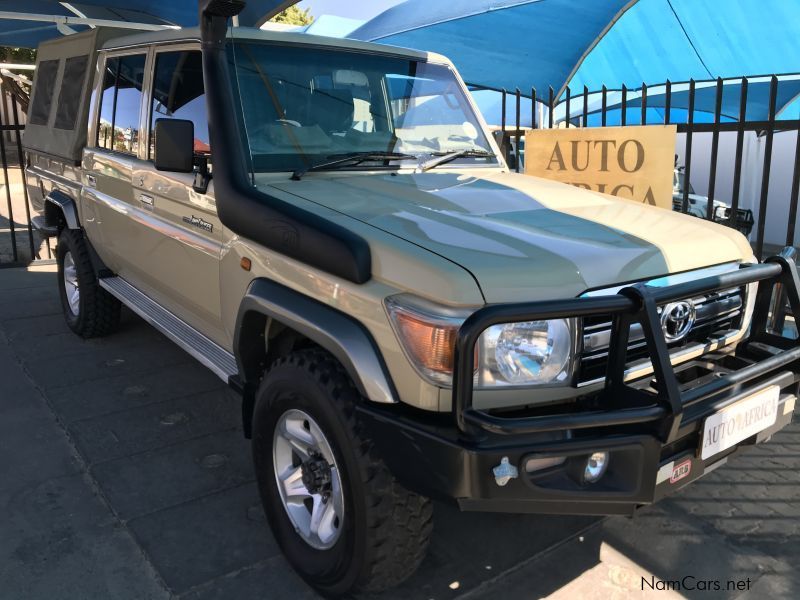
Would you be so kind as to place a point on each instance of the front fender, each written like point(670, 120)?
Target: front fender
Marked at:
point(341, 335)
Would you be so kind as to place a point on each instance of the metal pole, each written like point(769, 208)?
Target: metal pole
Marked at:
point(737, 165)
point(14, 253)
point(762, 209)
point(687, 170)
point(712, 175)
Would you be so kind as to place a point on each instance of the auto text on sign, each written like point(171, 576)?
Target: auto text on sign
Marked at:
point(629, 162)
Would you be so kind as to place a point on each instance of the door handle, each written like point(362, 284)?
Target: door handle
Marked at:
point(146, 200)
point(91, 180)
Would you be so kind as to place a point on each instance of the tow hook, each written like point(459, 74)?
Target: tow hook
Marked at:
point(504, 472)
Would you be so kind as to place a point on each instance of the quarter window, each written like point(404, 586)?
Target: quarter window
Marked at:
point(178, 93)
point(120, 104)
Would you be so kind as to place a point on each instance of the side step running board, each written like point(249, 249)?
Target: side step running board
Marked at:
point(210, 354)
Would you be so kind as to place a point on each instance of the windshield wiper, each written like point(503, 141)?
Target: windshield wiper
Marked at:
point(441, 158)
point(351, 159)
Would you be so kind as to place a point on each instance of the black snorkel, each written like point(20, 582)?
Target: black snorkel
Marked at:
point(245, 210)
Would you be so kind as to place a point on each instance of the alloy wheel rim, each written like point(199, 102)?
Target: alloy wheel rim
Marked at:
point(71, 287)
point(308, 479)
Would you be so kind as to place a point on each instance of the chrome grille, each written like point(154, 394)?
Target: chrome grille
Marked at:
point(716, 313)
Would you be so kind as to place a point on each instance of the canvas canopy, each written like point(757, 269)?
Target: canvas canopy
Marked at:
point(62, 84)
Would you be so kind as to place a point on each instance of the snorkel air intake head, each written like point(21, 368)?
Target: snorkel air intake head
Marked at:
point(221, 8)
point(214, 15)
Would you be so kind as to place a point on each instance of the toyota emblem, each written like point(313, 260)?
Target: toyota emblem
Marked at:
point(677, 320)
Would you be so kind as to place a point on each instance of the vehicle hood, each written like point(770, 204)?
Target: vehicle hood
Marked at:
point(521, 237)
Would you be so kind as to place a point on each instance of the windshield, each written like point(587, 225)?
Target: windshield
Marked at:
point(304, 107)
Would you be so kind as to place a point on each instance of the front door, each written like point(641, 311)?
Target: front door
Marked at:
point(185, 233)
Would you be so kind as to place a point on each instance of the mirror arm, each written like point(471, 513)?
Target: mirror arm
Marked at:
point(202, 177)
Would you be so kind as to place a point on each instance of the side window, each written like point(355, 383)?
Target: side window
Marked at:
point(43, 92)
point(120, 104)
point(178, 93)
point(69, 98)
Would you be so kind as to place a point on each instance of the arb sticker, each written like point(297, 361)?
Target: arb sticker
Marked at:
point(681, 471)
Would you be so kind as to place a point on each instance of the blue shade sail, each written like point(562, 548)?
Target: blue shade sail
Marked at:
point(522, 44)
point(658, 40)
point(499, 43)
point(29, 33)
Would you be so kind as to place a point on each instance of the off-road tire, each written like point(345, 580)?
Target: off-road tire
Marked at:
point(99, 312)
point(386, 527)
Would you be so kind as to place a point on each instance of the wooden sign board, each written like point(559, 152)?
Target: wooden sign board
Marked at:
point(634, 162)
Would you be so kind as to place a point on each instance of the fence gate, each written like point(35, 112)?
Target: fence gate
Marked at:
point(575, 110)
point(19, 243)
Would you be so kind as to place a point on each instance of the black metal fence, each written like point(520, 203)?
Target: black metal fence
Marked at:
point(19, 244)
point(576, 112)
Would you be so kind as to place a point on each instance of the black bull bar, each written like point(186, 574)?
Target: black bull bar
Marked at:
point(634, 304)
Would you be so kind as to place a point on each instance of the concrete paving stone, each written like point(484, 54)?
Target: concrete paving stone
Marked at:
point(784, 585)
point(611, 560)
point(101, 396)
point(273, 579)
point(226, 532)
point(15, 279)
point(102, 361)
point(27, 302)
point(127, 432)
point(42, 326)
point(59, 541)
point(158, 479)
point(469, 548)
point(132, 332)
point(32, 447)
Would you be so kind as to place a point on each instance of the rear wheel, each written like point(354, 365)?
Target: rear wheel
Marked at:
point(89, 310)
point(342, 520)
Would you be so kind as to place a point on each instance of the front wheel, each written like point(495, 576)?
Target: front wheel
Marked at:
point(342, 520)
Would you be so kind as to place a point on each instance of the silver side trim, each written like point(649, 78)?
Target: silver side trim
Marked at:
point(40, 172)
point(668, 280)
point(207, 352)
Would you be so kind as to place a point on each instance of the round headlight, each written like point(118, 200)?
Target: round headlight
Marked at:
point(532, 352)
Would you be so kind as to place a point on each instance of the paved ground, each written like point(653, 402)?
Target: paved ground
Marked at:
point(123, 474)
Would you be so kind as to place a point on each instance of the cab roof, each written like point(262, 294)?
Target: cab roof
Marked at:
point(251, 33)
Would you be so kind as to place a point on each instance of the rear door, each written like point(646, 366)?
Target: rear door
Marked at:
point(114, 150)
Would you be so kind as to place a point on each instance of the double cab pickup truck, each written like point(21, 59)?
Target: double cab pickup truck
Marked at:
point(329, 227)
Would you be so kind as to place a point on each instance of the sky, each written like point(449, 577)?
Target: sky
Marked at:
point(353, 9)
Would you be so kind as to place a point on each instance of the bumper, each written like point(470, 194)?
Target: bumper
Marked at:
point(652, 430)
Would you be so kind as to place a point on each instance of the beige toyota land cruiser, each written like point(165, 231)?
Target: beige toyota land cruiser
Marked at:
point(328, 227)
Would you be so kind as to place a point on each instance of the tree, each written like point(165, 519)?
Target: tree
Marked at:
point(17, 55)
point(294, 16)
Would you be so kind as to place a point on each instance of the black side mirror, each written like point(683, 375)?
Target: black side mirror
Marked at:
point(174, 145)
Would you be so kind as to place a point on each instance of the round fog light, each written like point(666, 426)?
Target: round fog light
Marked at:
point(596, 466)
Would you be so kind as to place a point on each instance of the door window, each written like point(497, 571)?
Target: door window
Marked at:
point(120, 104)
point(178, 93)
